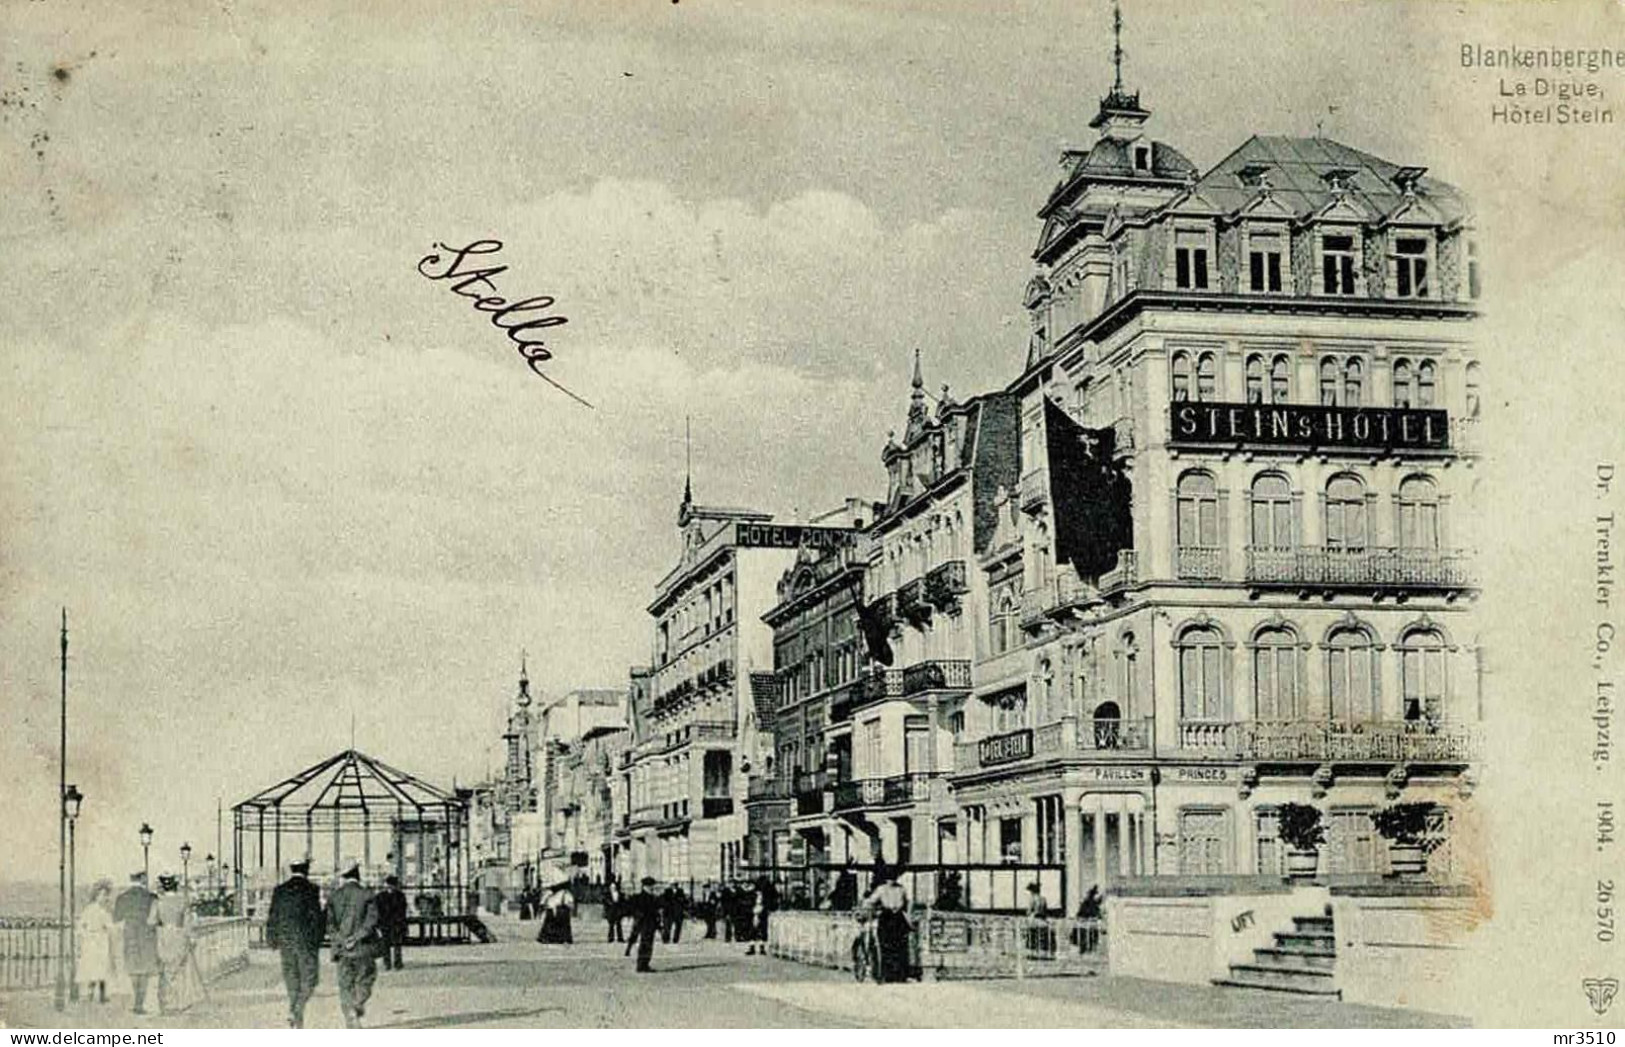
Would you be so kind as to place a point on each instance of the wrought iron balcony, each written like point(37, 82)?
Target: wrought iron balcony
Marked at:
point(952, 674)
point(1066, 737)
point(879, 684)
point(1125, 574)
point(1382, 568)
point(1034, 489)
point(1388, 741)
point(945, 584)
point(1199, 563)
point(896, 790)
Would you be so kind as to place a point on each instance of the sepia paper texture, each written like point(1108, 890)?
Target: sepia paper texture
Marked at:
point(295, 495)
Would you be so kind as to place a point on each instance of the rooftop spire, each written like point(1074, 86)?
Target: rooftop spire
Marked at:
point(524, 679)
point(918, 382)
point(688, 459)
point(1117, 47)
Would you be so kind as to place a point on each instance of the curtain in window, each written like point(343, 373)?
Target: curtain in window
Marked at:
point(1275, 676)
point(1201, 686)
point(1198, 523)
point(1345, 514)
point(1349, 670)
point(1422, 675)
point(1272, 513)
point(1418, 514)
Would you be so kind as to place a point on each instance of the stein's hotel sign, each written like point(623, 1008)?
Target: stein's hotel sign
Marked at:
point(1310, 425)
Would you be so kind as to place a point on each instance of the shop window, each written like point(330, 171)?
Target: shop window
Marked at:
point(1204, 843)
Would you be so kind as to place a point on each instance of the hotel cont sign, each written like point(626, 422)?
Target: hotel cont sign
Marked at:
point(1310, 425)
point(791, 536)
point(1005, 748)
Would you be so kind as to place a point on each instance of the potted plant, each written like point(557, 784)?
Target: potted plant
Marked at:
point(1405, 827)
point(1302, 833)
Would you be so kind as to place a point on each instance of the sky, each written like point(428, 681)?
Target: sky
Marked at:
point(282, 482)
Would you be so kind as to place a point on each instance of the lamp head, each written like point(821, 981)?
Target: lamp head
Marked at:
point(146, 834)
point(71, 799)
point(186, 852)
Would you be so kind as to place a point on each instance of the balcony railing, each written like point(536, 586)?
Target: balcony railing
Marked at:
point(879, 684)
point(945, 584)
point(1374, 567)
point(882, 792)
point(1034, 488)
point(1403, 741)
point(768, 789)
point(1067, 736)
point(1125, 574)
point(936, 676)
point(1199, 563)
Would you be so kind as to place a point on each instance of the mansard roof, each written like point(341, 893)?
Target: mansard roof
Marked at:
point(1112, 158)
point(1303, 175)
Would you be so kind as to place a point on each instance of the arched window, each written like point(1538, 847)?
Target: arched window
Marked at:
point(1426, 384)
point(1472, 390)
point(1004, 621)
point(1422, 674)
point(1272, 513)
point(1255, 379)
point(1182, 377)
point(1345, 514)
point(1418, 513)
point(1277, 691)
point(1280, 380)
point(1328, 382)
point(1198, 515)
point(1404, 392)
point(1207, 378)
point(1131, 674)
point(1351, 676)
point(1108, 722)
point(1353, 383)
point(1201, 676)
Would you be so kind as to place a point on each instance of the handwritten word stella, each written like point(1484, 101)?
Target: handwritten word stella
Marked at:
point(515, 319)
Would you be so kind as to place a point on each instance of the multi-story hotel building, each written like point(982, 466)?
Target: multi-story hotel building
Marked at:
point(873, 676)
point(1235, 571)
point(697, 733)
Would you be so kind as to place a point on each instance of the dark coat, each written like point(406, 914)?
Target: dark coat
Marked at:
point(352, 914)
point(133, 910)
point(296, 920)
point(645, 911)
point(392, 914)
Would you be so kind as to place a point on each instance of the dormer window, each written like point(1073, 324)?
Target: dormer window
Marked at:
point(1142, 157)
point(1337, 263)
point(1409, 265)
point(1190, 259)
point(1265, 251)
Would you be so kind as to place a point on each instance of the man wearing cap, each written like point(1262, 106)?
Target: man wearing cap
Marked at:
point(132, 911)
point(352, 914)
point(645, 909)
point(392, 921)
point(294, 928)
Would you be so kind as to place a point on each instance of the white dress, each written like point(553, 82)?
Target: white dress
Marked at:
point(95, 944)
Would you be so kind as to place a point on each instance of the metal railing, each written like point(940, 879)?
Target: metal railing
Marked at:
point(1125, 574)
point(882, 792)
point(946, 674)
point(880, 683)
point(1202, 563)
point(950, 944)
point(29, 949)
point(1402, 741)
point(1034, 488)
point(945, 583)
point(1069, 736)
point(1371, 566)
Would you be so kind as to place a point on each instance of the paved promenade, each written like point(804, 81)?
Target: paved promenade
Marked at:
point(516, 983)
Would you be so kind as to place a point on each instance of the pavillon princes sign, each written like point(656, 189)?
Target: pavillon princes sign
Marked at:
point(792, 536)
point(1310, 425)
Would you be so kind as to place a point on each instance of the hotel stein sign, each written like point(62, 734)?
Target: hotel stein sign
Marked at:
point(1005, 748)
point(1309, 425)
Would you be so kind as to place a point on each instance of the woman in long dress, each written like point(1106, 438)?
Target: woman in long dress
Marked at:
point(556, 916)
point(95, 962)
point(178, 983)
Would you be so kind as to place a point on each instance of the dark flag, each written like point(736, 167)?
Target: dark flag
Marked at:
point(875, 622)
point(1089, 494)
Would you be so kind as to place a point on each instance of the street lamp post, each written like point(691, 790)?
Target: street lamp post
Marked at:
point(186, 866)
point(71, 799)
point(146, 848)
point(63, 941)
point(208, 861)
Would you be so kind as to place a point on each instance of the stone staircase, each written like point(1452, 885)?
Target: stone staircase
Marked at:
point(1300, 961)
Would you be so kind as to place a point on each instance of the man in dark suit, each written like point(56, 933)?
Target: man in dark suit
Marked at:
point(392, 921)
point(646, 910)
point(352, 914)
point(294, 928)
point(132, 911)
